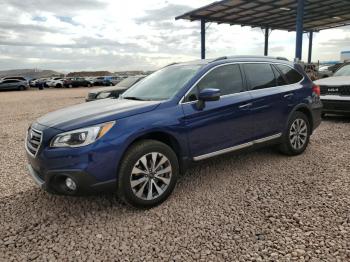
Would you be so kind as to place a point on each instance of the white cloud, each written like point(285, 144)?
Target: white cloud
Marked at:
point(120, 35)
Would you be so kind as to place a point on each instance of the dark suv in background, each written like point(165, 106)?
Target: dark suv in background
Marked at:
point(76, 82)
point(113, 91)
point(138, 144)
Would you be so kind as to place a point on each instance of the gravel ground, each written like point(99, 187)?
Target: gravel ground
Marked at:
point(257, 206)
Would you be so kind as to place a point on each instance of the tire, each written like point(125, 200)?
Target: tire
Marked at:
point(70, 86)
point(21, 88)
point(295, 142)
point(138, 194)
point(58, 85)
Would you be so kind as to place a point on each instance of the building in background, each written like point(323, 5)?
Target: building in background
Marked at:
point(345, 56)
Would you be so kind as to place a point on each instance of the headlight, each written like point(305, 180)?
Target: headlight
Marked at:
point(103, 95)
point(81, 137)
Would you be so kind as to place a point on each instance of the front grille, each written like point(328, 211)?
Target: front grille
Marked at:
point(340, 106)
point(34, 139)
point(91, 95)
point(336, 90)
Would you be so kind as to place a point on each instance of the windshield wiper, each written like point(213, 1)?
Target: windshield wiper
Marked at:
point(133, 98)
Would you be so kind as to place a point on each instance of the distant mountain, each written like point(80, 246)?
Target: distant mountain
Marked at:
point(29, 73)
point(89, 73)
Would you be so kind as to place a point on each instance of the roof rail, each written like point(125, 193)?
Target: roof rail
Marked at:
point(219, 59)
point(249, 56)
point(170, 65)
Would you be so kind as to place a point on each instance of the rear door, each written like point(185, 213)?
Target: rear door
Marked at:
point(273, 98)
point(221, 124)
point(268, 108)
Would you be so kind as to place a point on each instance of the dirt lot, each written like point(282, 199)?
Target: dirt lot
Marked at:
point(257, 206)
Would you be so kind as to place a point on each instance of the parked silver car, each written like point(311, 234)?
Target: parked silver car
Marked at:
point(13, 84)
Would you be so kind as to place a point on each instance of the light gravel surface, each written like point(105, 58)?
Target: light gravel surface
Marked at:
point(258, 206)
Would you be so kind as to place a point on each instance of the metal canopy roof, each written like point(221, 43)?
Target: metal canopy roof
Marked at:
point(275, 14)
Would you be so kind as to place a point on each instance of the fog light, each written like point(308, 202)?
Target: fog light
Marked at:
point(71, 184)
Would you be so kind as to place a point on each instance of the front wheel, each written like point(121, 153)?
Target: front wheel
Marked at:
point(148, 174)
point(297, 135)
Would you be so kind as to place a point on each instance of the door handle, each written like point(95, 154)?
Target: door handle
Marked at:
point(245, 106)
point(288, 95)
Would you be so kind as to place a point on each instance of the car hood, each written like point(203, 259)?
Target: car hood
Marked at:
point(107, 89)
point(95, 112)
point(333, 81)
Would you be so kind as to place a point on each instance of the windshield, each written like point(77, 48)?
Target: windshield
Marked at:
point(162, 84)
point(128, 81)
point(344, 71)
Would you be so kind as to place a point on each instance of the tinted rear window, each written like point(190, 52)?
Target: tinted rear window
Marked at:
point(260, 76)
point(281, 80)
point(291, 74)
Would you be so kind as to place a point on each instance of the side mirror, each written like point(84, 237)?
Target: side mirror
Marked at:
point(207, 95)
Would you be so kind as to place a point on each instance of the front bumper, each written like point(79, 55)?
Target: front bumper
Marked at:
point(54, 182)
point(336, 104)
point(36, 177)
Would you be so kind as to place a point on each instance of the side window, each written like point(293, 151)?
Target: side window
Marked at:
point(227, 78)
point(280, 79)
point(291, 74)
point(260, 76)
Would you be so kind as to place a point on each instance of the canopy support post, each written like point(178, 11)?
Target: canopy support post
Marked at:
point(300, 30)
point(202, 39)
point(266, 47)
point(311, 36)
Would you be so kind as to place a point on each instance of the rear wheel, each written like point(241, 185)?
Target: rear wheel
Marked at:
point(58, 85)
point(21, 88)
point(297, 136)
point(148, 174)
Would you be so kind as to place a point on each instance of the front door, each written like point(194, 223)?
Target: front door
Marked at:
point(221, 124)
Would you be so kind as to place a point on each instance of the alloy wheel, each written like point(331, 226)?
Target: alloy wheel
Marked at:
point(151, 176)
point(298, 134)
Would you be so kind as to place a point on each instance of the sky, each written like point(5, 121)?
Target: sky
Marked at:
point(116, 35)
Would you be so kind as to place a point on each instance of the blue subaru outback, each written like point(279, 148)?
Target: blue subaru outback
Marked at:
point(138, 144)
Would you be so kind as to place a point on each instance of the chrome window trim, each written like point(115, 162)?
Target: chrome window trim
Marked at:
point(26, 141)
point(238, 147)
point(247, 91)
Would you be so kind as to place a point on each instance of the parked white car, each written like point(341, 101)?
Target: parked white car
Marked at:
point(55, 82)
point(335, 91)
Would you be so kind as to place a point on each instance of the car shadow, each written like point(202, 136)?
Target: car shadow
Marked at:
point(35, 206)
point(35, 201)
point(238, 160)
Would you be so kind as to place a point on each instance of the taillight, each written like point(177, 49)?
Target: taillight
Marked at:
point(316, 90)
